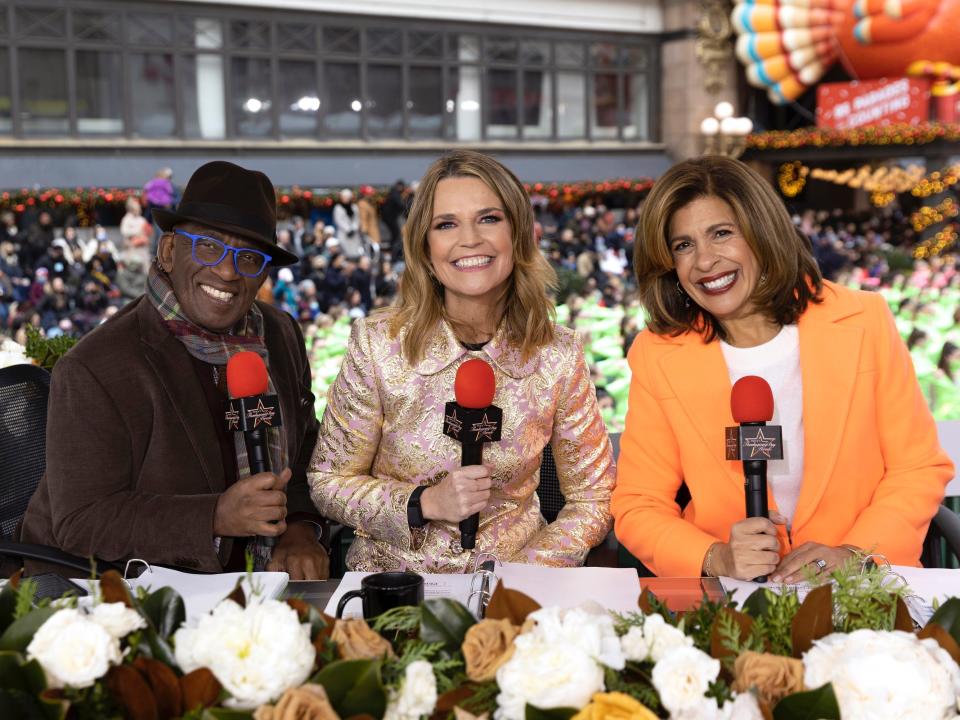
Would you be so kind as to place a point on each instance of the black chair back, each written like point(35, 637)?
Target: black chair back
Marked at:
point(23, 421)
point(941, 546)
point(551, 499)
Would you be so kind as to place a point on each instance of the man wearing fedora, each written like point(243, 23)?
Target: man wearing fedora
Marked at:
point(140, 460)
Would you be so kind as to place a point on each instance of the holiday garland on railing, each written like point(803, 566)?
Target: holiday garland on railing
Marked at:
point(898, 134)
point(290, 199)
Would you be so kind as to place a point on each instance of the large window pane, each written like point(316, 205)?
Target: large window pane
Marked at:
point(502, 102)
point(341, 40)
point(203, 104)
point(384, 101)
point(299, 99)
point(250, 97)
point(152, 94)
point(384, 43)
point(570, 54)
point(571, 104)
point(43, 91)
point(463, 103)
point(6, 126)
point(603, 108)
point(635, 107)
point(99, 97)
point(537, 105)
point(48, 23)
point(500, 49)
point(341, 82)
point(426, 102)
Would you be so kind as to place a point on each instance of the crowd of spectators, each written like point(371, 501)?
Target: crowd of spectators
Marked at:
point(66, 279)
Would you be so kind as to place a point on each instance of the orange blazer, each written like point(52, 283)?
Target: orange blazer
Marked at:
point(873, 469)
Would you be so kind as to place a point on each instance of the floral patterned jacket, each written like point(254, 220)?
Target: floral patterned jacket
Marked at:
point(381, 437)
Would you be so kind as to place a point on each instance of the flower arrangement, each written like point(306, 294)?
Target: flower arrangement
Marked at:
point(848, 650)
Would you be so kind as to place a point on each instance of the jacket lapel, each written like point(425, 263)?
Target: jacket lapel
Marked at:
point(829, 358)
point(175, 373)
point(698, 376)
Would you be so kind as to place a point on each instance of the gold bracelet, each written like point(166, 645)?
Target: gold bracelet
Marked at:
point(707, 561)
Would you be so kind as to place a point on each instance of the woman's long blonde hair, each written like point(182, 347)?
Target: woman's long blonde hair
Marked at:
point(528, 314)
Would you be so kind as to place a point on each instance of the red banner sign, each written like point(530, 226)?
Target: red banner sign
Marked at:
point(873, 102)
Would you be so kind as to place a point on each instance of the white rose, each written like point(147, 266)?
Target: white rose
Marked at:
point(417, 695)
point(634, 645)
point(882, 675)
point(545, 676)
point(662, 637)
point(743, 707)
point(682, 677)
point(73, 650)
point(255, 652)
point(590, 631)
point(117, 619)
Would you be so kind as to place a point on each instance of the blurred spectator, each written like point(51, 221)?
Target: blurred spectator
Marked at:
point(159, 192)
point(346, 218)
point(369, 219)
point(134, 227)
point(393, 210)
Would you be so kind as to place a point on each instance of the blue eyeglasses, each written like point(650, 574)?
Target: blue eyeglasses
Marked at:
point(210, 252)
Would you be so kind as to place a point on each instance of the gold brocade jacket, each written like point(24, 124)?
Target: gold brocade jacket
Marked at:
point(382, 436)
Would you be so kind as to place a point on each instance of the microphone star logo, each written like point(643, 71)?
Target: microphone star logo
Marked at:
point(232, 416)
point(484, 428)
point(262, 414)
point(760, 445)
point(454, 424)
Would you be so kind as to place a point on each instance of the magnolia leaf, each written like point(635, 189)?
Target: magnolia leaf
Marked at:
point(717, 648)
point(943, 638)
point(757, 605)
point(535, 713)
point(113, 589)
point(156, 647)
point(445, 621)
point(813, 620)
point(903, 621)
point(164, 610)
point(20, 632)
point(512, 605)
point(354, 687)
point(17, 673)
point(819, 704)
point(21, 705)
point(450, 699)
point(645, 602)
point(237, 594)
point(199, 689)
point(947, 616)
point(132, 693)
point(8, 602)
point(164, 684)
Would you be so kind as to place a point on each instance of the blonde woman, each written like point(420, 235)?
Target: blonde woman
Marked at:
point(475, 286)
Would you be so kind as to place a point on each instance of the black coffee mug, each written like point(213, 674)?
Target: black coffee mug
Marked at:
point(384, 591)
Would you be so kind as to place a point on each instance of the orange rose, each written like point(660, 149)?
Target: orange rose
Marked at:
point(486, 646)
point(773, 676)
point(356, 641)
point(615, 706)
point(307, 702)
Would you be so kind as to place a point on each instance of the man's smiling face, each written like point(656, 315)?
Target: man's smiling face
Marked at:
point(215, 298)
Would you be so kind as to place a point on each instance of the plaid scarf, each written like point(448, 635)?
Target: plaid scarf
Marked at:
point(217, 349)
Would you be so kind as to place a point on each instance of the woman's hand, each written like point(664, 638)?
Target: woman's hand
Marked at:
point(810, 558)
point(459, 495)
point(753, 550)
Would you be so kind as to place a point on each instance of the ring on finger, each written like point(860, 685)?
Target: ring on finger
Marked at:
point(821, 565)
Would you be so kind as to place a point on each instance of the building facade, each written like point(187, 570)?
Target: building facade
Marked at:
point(105, 92)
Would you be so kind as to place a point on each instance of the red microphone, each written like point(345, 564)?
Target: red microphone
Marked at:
point(472, 419)
point(251, 410)
point(754, 442)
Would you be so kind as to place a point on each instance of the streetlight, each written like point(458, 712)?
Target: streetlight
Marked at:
point(724, 134)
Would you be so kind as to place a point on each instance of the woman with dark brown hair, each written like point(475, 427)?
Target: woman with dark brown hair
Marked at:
point(731, 289)
point(475, 286)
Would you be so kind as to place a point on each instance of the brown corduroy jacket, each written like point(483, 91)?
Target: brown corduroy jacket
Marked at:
point(133, 464)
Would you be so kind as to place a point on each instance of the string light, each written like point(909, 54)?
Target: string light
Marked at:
point(897, 134)
point(792, 177)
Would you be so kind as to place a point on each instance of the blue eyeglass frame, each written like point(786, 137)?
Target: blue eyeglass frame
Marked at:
point(227, 249)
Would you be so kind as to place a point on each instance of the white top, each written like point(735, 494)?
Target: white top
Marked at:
point(778, 362)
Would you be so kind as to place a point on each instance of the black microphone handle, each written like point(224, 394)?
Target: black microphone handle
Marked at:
point(258, 457)
point(470, 454)
point(755, 489)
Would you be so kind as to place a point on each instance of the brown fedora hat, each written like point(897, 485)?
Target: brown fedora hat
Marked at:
point(227, 197)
